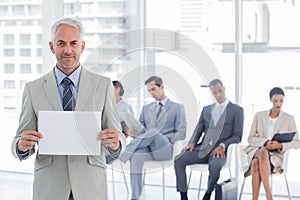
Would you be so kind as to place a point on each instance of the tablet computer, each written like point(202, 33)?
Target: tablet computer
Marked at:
point(283, 137)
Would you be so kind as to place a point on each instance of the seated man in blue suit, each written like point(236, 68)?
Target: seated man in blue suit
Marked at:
point(222, 124)
point(164, 122)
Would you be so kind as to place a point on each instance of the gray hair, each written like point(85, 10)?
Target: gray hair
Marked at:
point(67, 21)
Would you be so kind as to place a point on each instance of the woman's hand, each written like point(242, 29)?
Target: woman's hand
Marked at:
point(272, 145)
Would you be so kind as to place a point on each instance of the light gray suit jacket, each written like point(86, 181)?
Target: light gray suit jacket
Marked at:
point(56, 175)
point(259, 133)
point(232, 129)
point(171, 122)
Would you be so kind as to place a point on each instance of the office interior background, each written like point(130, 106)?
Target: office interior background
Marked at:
point(251, 45)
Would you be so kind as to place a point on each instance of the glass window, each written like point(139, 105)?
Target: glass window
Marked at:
point(25, 68)
point(39, 68)
point(4, 11)
point(9, 84)
point(25, 39)
point(8, 39)
point(22, 84)
point(39, 39)
point(10, 99)
point(70, 8)
point(8, 52)
point(25, 52)
point(39, 52)
point(9, 23)
point(34, 9)
point(18, 10)
point(9, 68)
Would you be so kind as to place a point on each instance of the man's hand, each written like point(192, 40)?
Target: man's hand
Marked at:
point(28, 140)
point(109, 138)
point(218, 152)
point(189, 147)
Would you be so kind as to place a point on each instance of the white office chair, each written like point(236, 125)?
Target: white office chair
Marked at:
point(204, 167)
point(177, 148)
point(243, 165)
point(115, 165)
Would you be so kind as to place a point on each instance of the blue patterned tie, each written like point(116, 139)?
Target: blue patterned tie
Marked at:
point(68, 98)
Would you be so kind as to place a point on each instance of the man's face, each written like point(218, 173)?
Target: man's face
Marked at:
point(219, 92)
point(67, 47)
point(157, 92)
point(117, 92)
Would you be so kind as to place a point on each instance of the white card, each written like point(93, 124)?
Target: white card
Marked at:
point(69, 132)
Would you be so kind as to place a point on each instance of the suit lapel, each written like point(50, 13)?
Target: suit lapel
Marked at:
point(85, 88)
point(51, 91)
point(209, 116)
point(152, 112)
point(265, 123)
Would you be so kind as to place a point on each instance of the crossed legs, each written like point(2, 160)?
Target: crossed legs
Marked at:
point(261, 171)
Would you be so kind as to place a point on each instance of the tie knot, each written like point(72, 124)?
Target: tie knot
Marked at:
point(160, 103)
point(66, 81)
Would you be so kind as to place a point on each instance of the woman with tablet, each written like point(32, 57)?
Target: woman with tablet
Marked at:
point(265, 154)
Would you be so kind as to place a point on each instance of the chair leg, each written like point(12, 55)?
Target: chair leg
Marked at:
point(163, 183)
point(242, 189)
point(190, 176)
point(144, 177)
point(287, 187)
point(271, 184)
point(200, 184)
point(125, 181)
point(113, 181)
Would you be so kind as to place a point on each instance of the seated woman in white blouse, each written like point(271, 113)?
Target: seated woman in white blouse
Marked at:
point(265, 156)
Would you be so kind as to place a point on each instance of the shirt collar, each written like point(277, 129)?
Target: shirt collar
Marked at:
point(224, 103)
point(163, 102)
point(74, 76)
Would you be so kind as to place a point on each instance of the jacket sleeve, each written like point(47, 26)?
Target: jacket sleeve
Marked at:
point(27, 121)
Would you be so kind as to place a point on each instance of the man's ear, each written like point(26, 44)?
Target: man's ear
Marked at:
point(82, 46)
point(162, 86)
point(51, 47)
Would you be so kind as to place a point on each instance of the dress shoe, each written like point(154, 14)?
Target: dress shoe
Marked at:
point(183, 196)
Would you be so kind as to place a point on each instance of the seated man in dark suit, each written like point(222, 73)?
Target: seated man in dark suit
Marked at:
point(222, 125)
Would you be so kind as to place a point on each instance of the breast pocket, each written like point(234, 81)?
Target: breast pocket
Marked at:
point(94, 107)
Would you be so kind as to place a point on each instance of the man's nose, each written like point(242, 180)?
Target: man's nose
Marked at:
point(67, 49)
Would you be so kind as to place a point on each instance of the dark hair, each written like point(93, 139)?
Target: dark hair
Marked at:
point(215, 82)
point(157, 80)
point(276, 90)
point(118, 84)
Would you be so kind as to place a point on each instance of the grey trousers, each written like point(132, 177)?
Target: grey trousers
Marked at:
point(189, 158)
point(145, 148)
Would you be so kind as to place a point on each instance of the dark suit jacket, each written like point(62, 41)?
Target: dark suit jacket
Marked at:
point(231, 132)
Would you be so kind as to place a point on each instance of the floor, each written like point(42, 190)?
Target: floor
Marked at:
point(16, 186)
